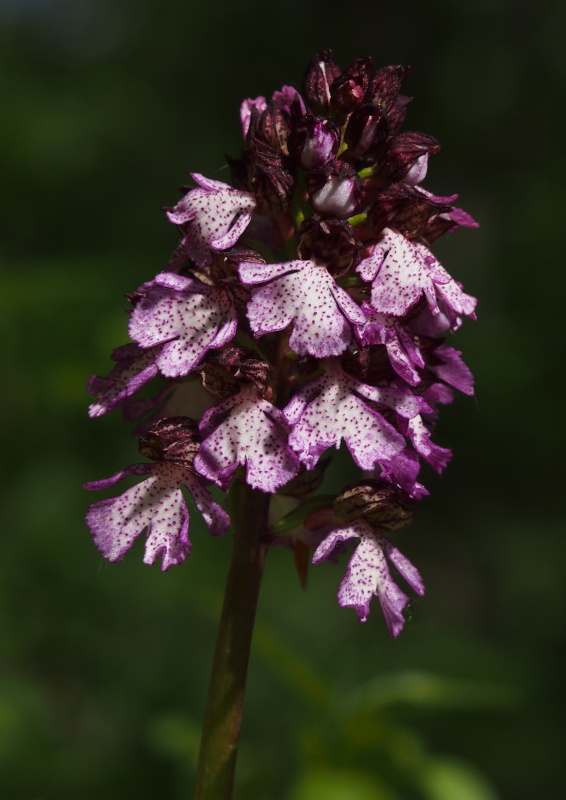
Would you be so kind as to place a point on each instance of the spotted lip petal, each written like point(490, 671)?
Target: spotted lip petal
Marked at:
point(184, 316)
point(306, 295)
point(215, 215)
point(368, 574)
point(134, 368)
point(329, 409)
point(156, 505)
point(402, 271)
point(246, 430)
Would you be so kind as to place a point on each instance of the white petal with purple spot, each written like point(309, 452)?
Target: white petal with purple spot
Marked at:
point(209, 212)
point(156, 505)
point(368, 574)
point(402, 271)
point(306, 295)
point(186, 317)
point(246, 430)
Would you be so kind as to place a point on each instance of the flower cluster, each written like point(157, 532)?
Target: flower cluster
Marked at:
point(305, 299)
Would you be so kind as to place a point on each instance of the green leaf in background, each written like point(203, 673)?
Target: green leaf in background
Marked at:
point(421, 690)
point(330, 784)
point(447, 779)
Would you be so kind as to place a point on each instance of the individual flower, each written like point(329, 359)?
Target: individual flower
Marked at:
point(368, 573)
point(317, 80)
point(407, 209)
point(402, 271)
point(214, 216)
point(334, 406)
point(186, 317)
point(384, 329)
point(134, 368)
point(314, 141)
point(407, 157)
point(246, 429)
point(156, 505)
point(367, 131)
point(305, 294)
point(335, 190)
point(348, 90)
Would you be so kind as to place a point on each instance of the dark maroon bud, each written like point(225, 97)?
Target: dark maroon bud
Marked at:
point(275, 125)
point(335, 190)
point(396, 117)
point(348, 90)
point(269, 129)
point(224, 271)
point(171, 439)
point(321, 73)
point(367, 131)
point(405, 208)
point(437, 226)
point(272, 180)
point(329, 242)
point(371, 497)
point(385, 87)
point(407, 151)
point(314, 141)
point(244, 364)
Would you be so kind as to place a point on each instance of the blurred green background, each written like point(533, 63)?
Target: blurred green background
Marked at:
point(106, 108)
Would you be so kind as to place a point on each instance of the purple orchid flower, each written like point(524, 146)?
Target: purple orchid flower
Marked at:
point(402, 271)
point(307, 295)
point(215, 216)
point(186, 317)
point(368, 574)
point(156, 505)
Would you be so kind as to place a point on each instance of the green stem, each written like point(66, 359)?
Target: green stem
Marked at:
point(223, 714)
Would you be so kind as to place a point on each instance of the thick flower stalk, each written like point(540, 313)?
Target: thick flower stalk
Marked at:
point(305, 303)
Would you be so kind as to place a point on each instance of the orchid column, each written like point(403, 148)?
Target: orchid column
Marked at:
point(302, 308)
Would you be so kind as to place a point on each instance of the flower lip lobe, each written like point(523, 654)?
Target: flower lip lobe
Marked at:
point(185, 317)
point(215, 214)
point(401, 272)
point(302, 293)
point(368, 574)
point(157, 505)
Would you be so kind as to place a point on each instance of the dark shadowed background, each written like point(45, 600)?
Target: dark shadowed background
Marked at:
point(106, 108)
